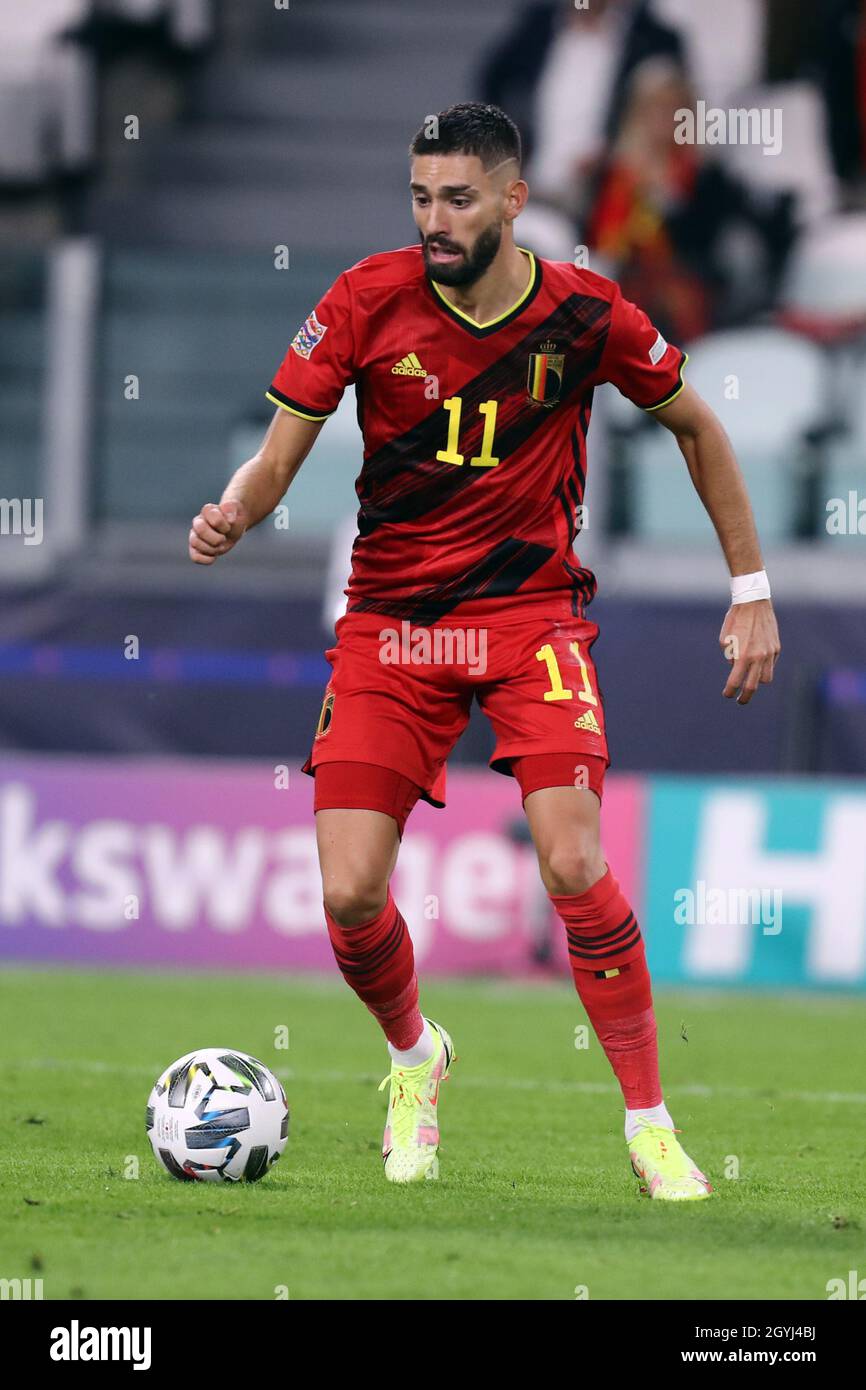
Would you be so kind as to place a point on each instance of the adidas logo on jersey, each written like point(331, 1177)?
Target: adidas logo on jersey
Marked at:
point(409, 366)
point(588, 722)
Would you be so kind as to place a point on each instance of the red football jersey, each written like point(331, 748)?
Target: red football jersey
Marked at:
point(474, 434)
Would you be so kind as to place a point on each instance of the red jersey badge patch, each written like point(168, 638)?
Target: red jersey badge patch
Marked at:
point(308, 336)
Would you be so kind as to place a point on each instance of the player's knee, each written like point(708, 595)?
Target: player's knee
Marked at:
point(355, 898)
point(572, 866)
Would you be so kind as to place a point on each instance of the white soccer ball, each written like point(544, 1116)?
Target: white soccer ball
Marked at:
point(217, 1115)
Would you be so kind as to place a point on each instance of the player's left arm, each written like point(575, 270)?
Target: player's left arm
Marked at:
point(750, 636)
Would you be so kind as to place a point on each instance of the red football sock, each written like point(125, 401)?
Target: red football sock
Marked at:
point(378, 963)
point(608, 962)
point(620, 1009)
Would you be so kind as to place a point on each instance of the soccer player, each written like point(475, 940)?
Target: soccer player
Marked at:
point(474, 364)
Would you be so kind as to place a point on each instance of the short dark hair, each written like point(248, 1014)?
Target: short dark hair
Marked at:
point(471, 127)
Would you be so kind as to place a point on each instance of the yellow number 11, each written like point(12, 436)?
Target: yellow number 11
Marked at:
point(449, 454)
point(557, 690)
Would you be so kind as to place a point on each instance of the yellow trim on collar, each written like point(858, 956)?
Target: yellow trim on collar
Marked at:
point(490, 322)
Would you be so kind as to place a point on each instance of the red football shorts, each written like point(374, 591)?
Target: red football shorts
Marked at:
point(399, 698)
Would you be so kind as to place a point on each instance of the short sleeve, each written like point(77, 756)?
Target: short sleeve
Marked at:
point(638, 360)
point(320, 361)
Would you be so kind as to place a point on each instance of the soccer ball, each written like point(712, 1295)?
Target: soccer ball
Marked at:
point(217, 1115)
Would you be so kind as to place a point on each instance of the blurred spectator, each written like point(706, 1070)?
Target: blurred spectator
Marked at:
point(765, 56)
point(665, 216)
point(802, 165)
point(187, 23)
point(46, 93)
point(48, 83)
point(723, 44)
point(561, 73)
point(173, 28)
point(827, 44)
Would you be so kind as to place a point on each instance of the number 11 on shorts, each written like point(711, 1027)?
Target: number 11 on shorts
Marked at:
point(557, 690)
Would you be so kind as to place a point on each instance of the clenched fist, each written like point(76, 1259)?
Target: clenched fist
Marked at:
point(218, 527)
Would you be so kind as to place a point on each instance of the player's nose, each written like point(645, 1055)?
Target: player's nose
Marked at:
point(438, 224)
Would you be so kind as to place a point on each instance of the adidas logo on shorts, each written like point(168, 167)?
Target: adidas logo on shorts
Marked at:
point(588, 722)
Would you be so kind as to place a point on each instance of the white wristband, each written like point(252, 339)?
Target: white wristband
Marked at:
point(747, 588)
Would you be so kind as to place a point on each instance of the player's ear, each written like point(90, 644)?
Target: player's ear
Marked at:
point(516, 197)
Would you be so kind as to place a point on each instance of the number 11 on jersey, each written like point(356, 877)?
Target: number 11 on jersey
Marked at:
point(450, 453)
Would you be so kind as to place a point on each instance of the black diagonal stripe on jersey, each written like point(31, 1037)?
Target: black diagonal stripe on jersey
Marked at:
point(578, 446)
point(403, 480)
point(583, 587)
point(497, 574)
point(583, 590)
point(559, 491)
point(405, 492)
point(568, 503)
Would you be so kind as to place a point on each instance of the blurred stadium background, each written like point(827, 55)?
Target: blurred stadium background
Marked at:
point(180, 180)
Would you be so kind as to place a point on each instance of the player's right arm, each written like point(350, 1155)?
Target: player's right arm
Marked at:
point(255, 489)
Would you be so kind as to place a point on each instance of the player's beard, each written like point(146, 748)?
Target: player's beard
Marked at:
point(474, 263)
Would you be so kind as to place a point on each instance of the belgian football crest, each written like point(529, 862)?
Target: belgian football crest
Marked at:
point(544, 378)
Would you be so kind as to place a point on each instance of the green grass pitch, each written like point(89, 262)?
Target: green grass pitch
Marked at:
point(536, 1198)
